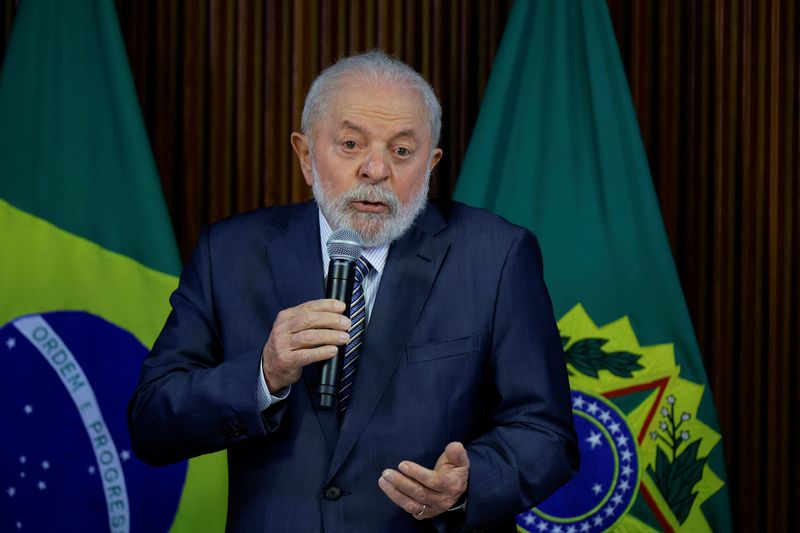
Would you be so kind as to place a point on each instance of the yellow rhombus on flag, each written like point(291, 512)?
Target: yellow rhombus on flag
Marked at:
point(87, 262)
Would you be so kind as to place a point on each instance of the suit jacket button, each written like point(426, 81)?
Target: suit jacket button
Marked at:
point(333, 493)
point(239, 428)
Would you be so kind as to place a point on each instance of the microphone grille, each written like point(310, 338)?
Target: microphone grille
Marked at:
point(345, 244)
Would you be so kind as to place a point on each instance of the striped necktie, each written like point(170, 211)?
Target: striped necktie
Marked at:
point(358, 318)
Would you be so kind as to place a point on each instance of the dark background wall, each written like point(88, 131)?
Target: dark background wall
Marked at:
point(716, 86)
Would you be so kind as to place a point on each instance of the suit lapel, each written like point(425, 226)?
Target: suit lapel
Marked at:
point(293, 250)
point(410, 271)
point(294, 256)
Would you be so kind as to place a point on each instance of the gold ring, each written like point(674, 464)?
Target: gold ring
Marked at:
point(422, 512)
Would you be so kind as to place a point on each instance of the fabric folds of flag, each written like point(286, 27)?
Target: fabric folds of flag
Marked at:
point(87, 262)
point(557, 149)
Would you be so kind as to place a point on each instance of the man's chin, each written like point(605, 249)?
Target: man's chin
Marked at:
point(370, 229)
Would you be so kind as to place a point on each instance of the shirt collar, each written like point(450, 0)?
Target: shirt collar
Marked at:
point(376, 255)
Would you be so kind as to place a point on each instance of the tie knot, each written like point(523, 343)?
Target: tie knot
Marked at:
point(362, 268)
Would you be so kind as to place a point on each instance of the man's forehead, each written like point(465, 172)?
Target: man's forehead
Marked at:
point(361, 107)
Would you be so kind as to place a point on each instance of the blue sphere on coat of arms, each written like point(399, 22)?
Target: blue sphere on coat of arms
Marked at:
point(607, 482)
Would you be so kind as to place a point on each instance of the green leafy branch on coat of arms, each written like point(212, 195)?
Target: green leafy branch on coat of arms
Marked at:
point(587, 357)
point(676, 477)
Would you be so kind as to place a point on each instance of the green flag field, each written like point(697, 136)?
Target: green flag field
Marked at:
point(557, 149)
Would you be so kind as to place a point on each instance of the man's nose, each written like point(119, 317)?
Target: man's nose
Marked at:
point(375, 166)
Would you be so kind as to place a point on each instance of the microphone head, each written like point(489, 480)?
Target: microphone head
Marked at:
point(345, 244)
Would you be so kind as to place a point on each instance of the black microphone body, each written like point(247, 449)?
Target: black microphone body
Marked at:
point(344, 248)
point(341, 277)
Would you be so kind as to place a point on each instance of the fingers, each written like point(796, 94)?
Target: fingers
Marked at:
point(313, 355)
point(411, 486)
point(309, 338)
point(301, 335)
point(417, 509)
point(315, 323)
point(323, 304)
point(410, 495)
point(419, 473)
point(316, 314)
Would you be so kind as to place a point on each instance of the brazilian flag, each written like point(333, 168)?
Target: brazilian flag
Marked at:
point(87, 263)
point(557, 149)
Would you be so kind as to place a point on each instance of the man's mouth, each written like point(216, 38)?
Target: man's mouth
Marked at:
point(364, 206)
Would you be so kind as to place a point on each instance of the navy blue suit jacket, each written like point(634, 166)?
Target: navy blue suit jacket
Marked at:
point(461, 346)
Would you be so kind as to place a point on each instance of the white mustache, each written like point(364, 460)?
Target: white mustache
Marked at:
point(370, 193)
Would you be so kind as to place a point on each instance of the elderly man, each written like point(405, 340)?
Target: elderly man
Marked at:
point(457, 413)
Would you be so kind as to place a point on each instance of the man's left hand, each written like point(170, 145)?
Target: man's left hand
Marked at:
point(425, 493)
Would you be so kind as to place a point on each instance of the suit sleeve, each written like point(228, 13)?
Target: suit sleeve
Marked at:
point(530, 449)
point(190, 399)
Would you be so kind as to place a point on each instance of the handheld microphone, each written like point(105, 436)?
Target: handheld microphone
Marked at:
point(344, 249)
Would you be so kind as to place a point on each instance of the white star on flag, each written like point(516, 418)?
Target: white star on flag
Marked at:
point(23, 459)
point(617, 499)
point(624, 486)
point(598, 520)
point(542, 526)
point(22, 474)
point(626, 455)
point(11, 491)
point(42, 485)
point(11, 342)
point(594, 439)
point(614, 428)
point(627, 471)
point(571, 529)
point(608, 511)
point(578, 402)
point(592, 409)
point(19, 525)
point(45, 465)
point(585, 526)
point(604, 417)
point(90, 470)
point(556, 529)
point(622, 441)
point(529, 519)
point(28, 409)
point(125, 455)
point(597, 488)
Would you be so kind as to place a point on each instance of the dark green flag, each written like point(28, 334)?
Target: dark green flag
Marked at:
point(87, 263)
point(557, 149)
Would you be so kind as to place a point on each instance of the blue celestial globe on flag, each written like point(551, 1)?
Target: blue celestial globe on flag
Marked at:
point(65, 455)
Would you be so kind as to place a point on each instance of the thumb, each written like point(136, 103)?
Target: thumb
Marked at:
point(456, 454)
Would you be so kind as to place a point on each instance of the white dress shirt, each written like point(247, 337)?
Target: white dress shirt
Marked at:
point(376, 257)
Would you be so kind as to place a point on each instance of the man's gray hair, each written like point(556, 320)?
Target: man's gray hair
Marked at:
point(372, 67)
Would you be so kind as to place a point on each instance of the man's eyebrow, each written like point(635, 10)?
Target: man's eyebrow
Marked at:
point(405, 133)
point(409, 132)
point(346, 124)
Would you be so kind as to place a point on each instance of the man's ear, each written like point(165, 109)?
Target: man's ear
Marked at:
point(303, 150)
point(436, 156)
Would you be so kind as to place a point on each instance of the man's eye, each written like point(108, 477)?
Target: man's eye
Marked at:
point(403, 152)
point(349, 145)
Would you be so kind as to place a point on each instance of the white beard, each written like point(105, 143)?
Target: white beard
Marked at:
point(376, 229)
